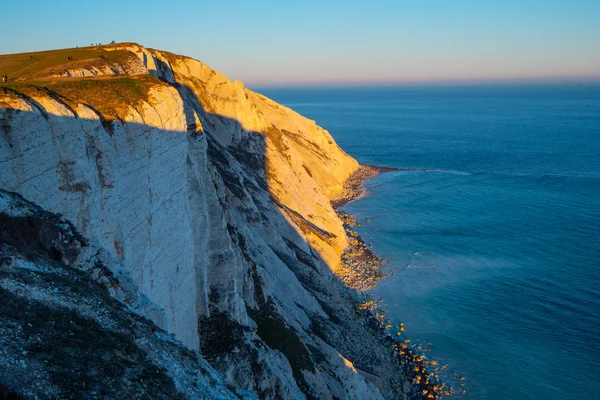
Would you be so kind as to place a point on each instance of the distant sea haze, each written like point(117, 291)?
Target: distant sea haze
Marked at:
point(493, 225)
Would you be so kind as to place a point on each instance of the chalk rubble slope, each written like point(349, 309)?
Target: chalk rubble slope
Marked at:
point(64, 335)
point(213, 202)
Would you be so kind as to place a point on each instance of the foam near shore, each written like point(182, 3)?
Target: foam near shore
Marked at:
point(362, 270)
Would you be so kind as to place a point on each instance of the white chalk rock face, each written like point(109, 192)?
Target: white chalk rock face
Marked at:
point(216, 203)
point(126, 189)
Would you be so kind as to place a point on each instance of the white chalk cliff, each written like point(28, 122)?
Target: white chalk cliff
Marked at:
point(211, 203)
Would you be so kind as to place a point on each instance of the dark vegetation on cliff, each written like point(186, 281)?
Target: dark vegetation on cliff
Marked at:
point(63, 335)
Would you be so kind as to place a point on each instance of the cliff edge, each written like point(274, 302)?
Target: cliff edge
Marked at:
point(210, 207)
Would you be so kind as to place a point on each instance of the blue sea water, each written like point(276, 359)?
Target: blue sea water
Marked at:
point(493, 225)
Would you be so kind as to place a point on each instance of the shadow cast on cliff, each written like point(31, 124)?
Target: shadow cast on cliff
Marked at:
point(311, 271)
point(240, 178)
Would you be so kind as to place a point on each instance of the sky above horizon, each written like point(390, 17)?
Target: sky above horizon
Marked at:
point(264, 42)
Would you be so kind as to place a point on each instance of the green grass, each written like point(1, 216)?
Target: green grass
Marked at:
point(43, 63)
point(34, 75)
point(111, 96)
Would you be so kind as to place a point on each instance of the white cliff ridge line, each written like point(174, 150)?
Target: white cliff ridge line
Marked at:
point(214, 200)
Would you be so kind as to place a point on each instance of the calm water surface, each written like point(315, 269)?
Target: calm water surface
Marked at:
point(494, 229)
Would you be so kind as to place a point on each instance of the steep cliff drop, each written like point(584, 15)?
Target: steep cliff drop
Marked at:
point(199, 205)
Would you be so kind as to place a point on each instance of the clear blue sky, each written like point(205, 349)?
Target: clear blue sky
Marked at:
point(287, 42)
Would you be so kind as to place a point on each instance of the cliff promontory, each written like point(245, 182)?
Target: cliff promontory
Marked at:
point(166, 231)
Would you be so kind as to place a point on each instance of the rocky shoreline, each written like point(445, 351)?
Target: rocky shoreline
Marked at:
point(354, 186)
point(361, 271)
point(361, 267)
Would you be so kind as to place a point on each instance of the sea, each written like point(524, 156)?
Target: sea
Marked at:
point(491, 225)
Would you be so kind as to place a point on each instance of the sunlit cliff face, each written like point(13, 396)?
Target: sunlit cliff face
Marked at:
point(289, 151)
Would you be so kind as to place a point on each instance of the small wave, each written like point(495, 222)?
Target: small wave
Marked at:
point(540, 177)
point(408, 169)
point(428, 170)
point(449, 171)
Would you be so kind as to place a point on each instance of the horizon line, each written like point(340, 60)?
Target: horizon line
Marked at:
point(580, 80)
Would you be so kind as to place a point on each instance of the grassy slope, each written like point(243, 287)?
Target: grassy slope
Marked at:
point(31, 65)
point(110, 95)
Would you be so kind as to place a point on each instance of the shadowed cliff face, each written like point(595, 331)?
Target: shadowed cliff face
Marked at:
point(63, 335)
point(212, 204)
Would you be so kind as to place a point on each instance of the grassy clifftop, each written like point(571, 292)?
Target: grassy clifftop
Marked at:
point(39, 74)
point(40, 64)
